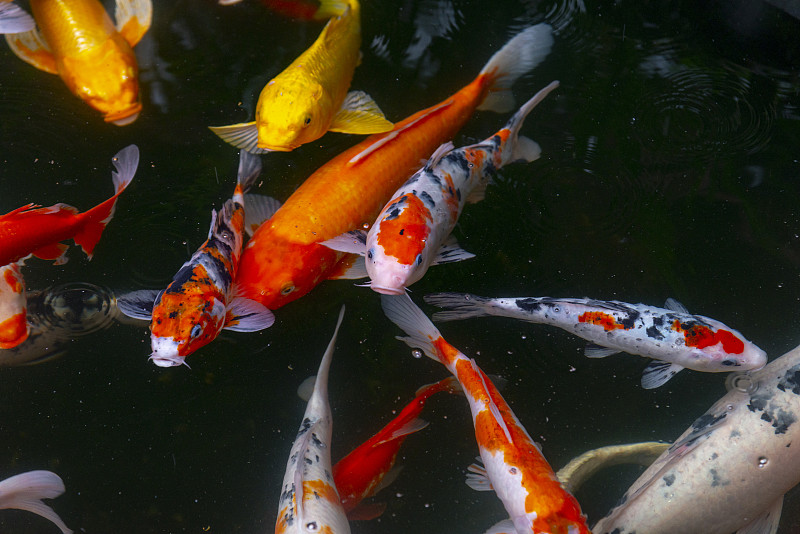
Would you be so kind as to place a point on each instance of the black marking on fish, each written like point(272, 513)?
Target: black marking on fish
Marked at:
point(458, 194)
point(181, 278)
point(458, 159)
point(716, 480)
point(654, 332)
point(630, 321)
point(790, 381)
point(427, 200)
point(669, 479)
point(308, 461)
point(707, 420)
point(530, 305)
point(658, 320)
point(714, 455)
point(394, 212)
point(316, 441)
point(780, 419)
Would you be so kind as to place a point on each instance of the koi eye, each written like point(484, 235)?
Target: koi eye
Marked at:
point(369, 254)
point(307, 121)
point(286, 289)
point(196, 331)
point(419, 259)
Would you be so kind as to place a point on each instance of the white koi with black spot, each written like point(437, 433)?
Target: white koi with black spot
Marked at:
point(412, 232)
point(673, 337)
point(309, 501)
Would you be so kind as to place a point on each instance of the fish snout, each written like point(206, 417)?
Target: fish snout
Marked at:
point(387, 290)
point(165, 352)
point(125, 116)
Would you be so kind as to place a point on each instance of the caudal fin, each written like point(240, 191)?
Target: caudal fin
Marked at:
point(26, 491)
point(521, 147)
point(249, 170)
point(95, 220)
point(462, 306)
point(520, 55)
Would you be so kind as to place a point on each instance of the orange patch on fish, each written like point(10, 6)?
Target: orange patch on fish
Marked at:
point(12, 281)
point(606, 320)
point(13, 331)
point(700, 336)
point(319, 489)
point(403, 237)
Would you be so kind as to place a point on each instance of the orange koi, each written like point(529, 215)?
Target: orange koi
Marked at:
point(514, 466)
point(77, 40)
point(13, 306)
point(32, 229)
point(285, 260)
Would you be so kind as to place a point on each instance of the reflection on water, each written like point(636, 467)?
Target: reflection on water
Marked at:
point(669, 169)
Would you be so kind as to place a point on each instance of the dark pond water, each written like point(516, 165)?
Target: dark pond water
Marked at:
point(669, 169)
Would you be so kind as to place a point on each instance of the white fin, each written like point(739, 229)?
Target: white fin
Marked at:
point(360, 115)
point(674, 305)
point(14, 19)
point(126, 161)
point(353, 242)
point(520, 148)
point(402, 311)
point(438, 154)
point(138, 304)
point(249, 169)
point(243, 135)
point(506, 526)
point(133, 19)
point(658, 373)
point(464, 306)
point(519, 55)
point(228, 2)
point(356, 271)
point(388, 478)
point(478, 193)
point(766, 523)
point(415, 425)
point(477, 478)
point(31, 48)
point(306, 387)
point(597, 351)
point(526, 149)
point(246, 315)
point(26, 491)
point(450, 252)
point(257, 210)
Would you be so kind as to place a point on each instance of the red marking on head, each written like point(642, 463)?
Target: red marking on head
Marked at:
point(404, 236)
point(606, 320)
point(13, 331)
point(700, 337)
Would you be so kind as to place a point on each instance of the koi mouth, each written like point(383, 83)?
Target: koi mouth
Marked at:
point(124, 117)
point(385, 290)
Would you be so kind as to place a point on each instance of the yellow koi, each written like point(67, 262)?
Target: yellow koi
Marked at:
point(310, 97)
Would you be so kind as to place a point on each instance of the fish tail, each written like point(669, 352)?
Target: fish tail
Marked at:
point(26, 491)
point(462, 306)
point(14, 19)
point(125, 162)
point(402, 311)
point(519, 55)
point(449, 384)
point(333, 8)
point(521, 147)
point(249, 170)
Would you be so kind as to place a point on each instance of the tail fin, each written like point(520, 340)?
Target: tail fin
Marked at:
point(26, 491)
point(14, 19)
point(95, 220)
point(462, 306)
point(402, 311)
point(520, 55)
point(523, 148)
point(449, 384)
point(249, 170)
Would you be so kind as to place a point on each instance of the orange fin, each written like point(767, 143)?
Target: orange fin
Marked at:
point(133, 19)
point(351, 267)
point(55, 251)
point(32, 48)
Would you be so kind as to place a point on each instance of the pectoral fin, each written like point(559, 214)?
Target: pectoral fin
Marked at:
point(243, 135)
point(257, 209)
point(351, 267)
point(658, 373)
point(245, 315)
point(766, 523)
point(32, 48)
point(451, 252)
point(506, 526)
point(415, 425)
point(353, 242)
point(477, 478)
point(359, 114)
point(133, 19)
point(598, 351)
point(138, 304)
point(14, 19)
point(56, 252)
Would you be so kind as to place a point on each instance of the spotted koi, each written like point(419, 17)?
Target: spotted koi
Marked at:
point(309, 500)
point(412, 232)
point(13, 306)
point(515, 467)
point(673, 337)
point(201, 300)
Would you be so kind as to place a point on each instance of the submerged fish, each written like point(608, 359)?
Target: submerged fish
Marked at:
point(364, 470)
point(673, 337)
point(77, 40)
point(514, 466)
point(309, 501)
point(729, 471)
point(35, 230)
point(201, 300)
point(14, 19)
point(285, 260)
point(13, 306)
point(26, 491)
point(310, 96)
point(413, 230)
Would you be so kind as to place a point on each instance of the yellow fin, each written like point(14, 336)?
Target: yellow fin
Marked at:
point(359, 114)
point(133, 19)
point(32, 48)
point(331, 8)
point(243, 135)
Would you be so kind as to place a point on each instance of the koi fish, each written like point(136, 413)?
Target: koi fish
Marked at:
point(32, 229)
point(201, 300)
point(673, 337)
point(309, 501)
point(514, 466)
point(13, 306)
point(296, 9)
point(310, 97)
point(26, 491)
point(77, 40)
point(285, 260)
point(413, 230)
point(14, 19)
point(364, 470)
point(729, 471)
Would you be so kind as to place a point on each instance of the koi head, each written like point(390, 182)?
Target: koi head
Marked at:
point(291, 113)
point(182, 324)
point(716, 347)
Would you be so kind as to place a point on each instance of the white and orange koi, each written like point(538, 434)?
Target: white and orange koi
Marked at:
point(201, 300)
point(309, 501)
point(413, 230)
point(673, 337)
point(515, 467)
point(13, 306)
